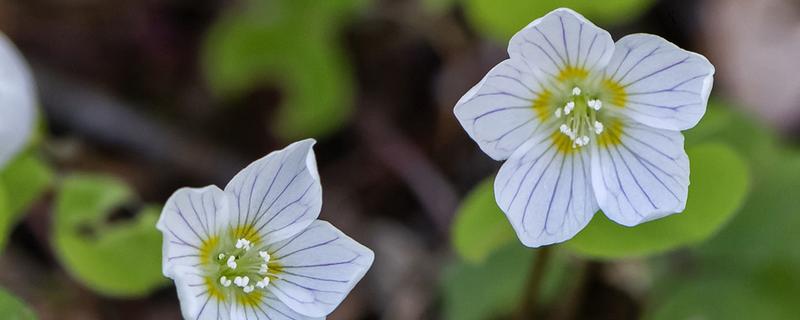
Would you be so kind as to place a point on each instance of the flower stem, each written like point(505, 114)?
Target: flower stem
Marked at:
point(530, 299)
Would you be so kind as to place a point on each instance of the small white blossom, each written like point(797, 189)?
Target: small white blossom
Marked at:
point(624, 107)
point(256, 249)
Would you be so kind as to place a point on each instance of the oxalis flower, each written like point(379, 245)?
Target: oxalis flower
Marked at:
point(17, 101)
point(585, 124)
point(256, 250)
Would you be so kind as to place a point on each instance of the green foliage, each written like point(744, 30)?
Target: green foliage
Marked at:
point(22, 181)
point(501, 19)
point(120, 259)
point(724, 298)
point(12, 308)
point(719, 185)
point(293, 43)
point(766, 230)
point(492, 288)
point(6, 217)
point(495, 286)
point(750, 267)
point(26, 178)
point(722, 123)
point(480, 227)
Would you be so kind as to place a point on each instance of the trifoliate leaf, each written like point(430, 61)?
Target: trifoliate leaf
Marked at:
point(120, 259)
point(293, 44)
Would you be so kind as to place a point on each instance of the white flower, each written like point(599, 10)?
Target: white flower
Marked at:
point(256, 250)
point(617, 147)
point(17, 101)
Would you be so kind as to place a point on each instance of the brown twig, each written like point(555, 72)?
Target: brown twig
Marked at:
point(109, 122)
point(404, 159)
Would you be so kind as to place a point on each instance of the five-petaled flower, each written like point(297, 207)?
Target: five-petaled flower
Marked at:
point(17, 101)
point(256, 250)
point(586, 124)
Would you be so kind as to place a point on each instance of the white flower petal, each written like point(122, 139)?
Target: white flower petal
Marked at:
point(664, 86)
point(278, 195)
point(545, 190)
point(269, 307)
point(17, 101)
point(190, 218)
point(318, 268)
point(641, 177)
point(196, 299)
point(504, 109)
point(562, 39)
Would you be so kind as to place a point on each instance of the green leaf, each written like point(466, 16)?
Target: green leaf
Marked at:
point(292, 43)
point(6, 218)
point(723, 123)
point(121, 259)
point(493, 288)
point(12, 308)
point(723, 298)
point(26, 178)
point(766, 228)
point(480, 226)
point(719, 179)
point(502, 19)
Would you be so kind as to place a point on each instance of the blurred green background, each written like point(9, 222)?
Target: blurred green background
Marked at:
point(139, 98)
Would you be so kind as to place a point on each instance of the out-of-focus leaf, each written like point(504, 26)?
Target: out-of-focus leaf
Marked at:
point(119, 259)
point(6, 218)
point(492, 288)
point(501, 19)
point(292, 43)
point(766, 228)
point(723, 123)
point(480, 227)
point(25, 178)
point(719, 179)
point(718, 297)
point(495, 287)
point(12, 308)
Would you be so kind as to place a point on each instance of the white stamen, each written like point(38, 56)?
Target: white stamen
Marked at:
point(224, 281)
point(595, 104)
point(241, 281)
point(231, 263)
point(576, 91)
point(564, 129)
point(248, 289)
point(264, 269)
point(221, 256)
point(568, 107)
point(243, 244)
point(558, 113)
point(598, 127)
point(263, 283)
point(585, 140)
point(264, 255)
